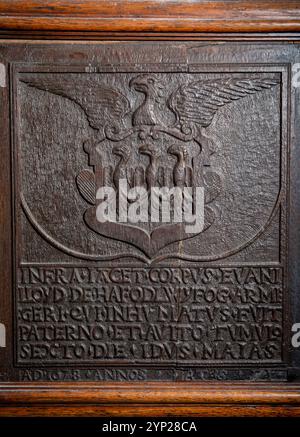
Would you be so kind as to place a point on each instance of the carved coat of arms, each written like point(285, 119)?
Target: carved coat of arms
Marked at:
point(157, 141)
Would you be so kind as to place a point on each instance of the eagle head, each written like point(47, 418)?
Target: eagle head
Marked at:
point(145, 83)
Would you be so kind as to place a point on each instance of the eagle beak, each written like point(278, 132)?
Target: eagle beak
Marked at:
point(133, 82)
point(137, 84)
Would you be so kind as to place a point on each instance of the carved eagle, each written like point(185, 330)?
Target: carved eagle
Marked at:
point(192, 104)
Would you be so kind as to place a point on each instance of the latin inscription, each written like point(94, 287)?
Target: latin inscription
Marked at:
point(149, 316)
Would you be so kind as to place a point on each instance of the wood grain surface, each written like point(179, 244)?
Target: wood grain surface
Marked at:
point(151, 16)
point(150, 399)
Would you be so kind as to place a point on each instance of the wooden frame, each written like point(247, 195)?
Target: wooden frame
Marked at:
point(151, 399)
point(151, 16)
point(98, 20)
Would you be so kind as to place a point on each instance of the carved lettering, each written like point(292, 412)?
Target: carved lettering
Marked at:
point(146, 315)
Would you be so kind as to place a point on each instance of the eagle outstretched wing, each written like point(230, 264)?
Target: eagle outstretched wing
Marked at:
point(99, 102)
point(198, 102)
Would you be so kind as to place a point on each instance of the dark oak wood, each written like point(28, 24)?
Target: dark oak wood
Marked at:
point(33, 21)
point(151, 16)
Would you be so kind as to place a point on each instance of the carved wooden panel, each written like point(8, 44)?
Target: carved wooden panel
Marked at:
point(148, 300)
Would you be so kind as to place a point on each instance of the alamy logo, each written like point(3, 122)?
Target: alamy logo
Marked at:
point(2, 335)
point(296, 336)
point(296, 75)
point(161, 205)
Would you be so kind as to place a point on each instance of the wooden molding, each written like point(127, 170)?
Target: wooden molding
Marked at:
point(151, 16)
point(150, 399)
point(92, 19)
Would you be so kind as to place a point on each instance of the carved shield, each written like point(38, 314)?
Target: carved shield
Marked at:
point(154, 129)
